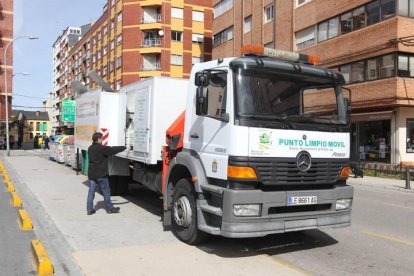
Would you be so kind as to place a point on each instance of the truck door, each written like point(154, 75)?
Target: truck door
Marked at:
point(209, 132)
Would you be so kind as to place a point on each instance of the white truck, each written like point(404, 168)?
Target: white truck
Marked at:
point(246, 147)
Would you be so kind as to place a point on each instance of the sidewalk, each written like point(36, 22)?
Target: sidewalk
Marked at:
point(380, 182)
point(129, 243)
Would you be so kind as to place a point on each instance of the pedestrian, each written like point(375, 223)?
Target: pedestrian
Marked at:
point(11, 140)
point(46, 140)
point(35, 141)
point(19, 142)
point(98, 173)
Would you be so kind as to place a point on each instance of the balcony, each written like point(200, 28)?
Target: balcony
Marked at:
point(151, 19)
point(151, 42)
point(151, 67)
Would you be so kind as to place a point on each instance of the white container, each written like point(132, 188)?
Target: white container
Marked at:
point(98, 111)
point(152, 105)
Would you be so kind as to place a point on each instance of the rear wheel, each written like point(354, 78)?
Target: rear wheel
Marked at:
point(184, 214)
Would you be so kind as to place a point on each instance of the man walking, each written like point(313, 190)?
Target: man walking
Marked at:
point(98, 172)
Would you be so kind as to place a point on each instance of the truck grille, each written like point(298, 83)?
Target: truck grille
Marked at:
point(284, 172)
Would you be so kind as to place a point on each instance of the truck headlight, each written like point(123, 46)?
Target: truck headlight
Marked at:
point(342, 204)
point(246, 210)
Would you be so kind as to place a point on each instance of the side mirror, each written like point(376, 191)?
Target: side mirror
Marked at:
point(201, 78)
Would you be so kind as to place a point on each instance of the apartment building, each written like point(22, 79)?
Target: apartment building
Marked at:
point(133, 40)
point(369, 42)
point(6, 36)
point(63, 44)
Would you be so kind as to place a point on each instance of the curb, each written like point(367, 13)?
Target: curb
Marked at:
point(42, 262)
point(10, 186)
point(25, 222)
point(15, 200)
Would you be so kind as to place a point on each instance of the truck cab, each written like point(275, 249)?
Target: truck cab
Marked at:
point(263, 148)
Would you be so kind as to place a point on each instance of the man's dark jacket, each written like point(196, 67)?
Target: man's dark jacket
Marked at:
point(98, 159)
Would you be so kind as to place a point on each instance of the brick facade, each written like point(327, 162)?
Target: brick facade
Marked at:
point(6, 35)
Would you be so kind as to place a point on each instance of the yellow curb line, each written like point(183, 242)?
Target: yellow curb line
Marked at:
point(10, 187)
point(25, 222)
point(286, 264)
point(15, 200)
point(385, 237)
point(43, 264)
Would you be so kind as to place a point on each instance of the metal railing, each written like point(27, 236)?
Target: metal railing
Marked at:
point(151, 42)
point(145, 20)
point(151, 67)
point(403, 171)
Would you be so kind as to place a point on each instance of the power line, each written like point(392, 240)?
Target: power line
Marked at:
point(23, 106)
point(26, 96)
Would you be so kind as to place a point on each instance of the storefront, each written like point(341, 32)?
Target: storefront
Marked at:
point(371, 137)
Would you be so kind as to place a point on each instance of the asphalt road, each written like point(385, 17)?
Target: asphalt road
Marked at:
point(379, 242)
point(15, 258)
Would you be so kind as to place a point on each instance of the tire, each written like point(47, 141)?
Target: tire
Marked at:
point(184, 214)
point(113, 184)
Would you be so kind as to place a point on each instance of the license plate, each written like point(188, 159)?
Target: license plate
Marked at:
point(302, 200)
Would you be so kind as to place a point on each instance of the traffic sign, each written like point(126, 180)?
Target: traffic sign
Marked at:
point(68, 111)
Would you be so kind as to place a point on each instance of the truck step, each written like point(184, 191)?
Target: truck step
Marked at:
point(210, 229)
point(211, 209)
point(212, 188)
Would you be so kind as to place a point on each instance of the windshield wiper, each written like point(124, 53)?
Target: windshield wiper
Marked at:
point(267, 117)
point(313, 120)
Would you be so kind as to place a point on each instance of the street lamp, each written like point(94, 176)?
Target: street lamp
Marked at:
point(5, 88)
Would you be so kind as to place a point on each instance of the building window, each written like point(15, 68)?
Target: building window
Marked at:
point(105, 50)
point(31, 126)
point(99, 35)
point(111, 66)
point(247, 27)
point(118, 40)
point(387, 9)
point(270, 45)
point(373, 12)
point(405, 66)
point(197, 38)
point(119, 17)
point(269, 13)
point(104, 71)
point(176, 59)
point(305, 38)
point(222, 7)
point(176, 36)
point(105, 30)
point(323, 31)
point(358, 18)
point(118, 84)
point(301, 2)
point(118, 62)
point(177, 13)
point(198, 16)
point(346, 23)
point(38, 126)
point(406, 8)
point(223, 36)
point(195, 60)
point(410, 135)
point(112, 45)
point(386, 66)
point(372, 70)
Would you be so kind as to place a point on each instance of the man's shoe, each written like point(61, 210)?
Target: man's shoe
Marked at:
point(113, 210)
point(91, 212)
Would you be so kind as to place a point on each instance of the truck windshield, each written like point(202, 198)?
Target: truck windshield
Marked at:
point(265, 95)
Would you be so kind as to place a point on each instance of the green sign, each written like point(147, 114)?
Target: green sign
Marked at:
point(43, 127)
point(68, 111)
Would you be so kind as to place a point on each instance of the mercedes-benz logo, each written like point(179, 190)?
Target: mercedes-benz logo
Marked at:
point(303, 161)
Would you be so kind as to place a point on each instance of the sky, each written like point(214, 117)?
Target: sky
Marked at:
point(45, 19)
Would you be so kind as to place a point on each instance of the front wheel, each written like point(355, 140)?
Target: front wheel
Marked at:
point(184, 214)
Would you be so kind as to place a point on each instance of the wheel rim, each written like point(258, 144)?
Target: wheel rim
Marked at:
point(182, 212)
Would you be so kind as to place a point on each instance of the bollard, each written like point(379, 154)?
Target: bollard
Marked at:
point(407, 178)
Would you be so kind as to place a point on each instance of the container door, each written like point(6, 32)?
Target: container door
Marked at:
point(142, 120)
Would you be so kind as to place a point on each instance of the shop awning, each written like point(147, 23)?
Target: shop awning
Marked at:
point(373, 116)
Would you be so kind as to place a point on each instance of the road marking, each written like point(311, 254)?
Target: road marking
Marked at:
point(394, 205)
point(385, 237)
point(286, 264)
